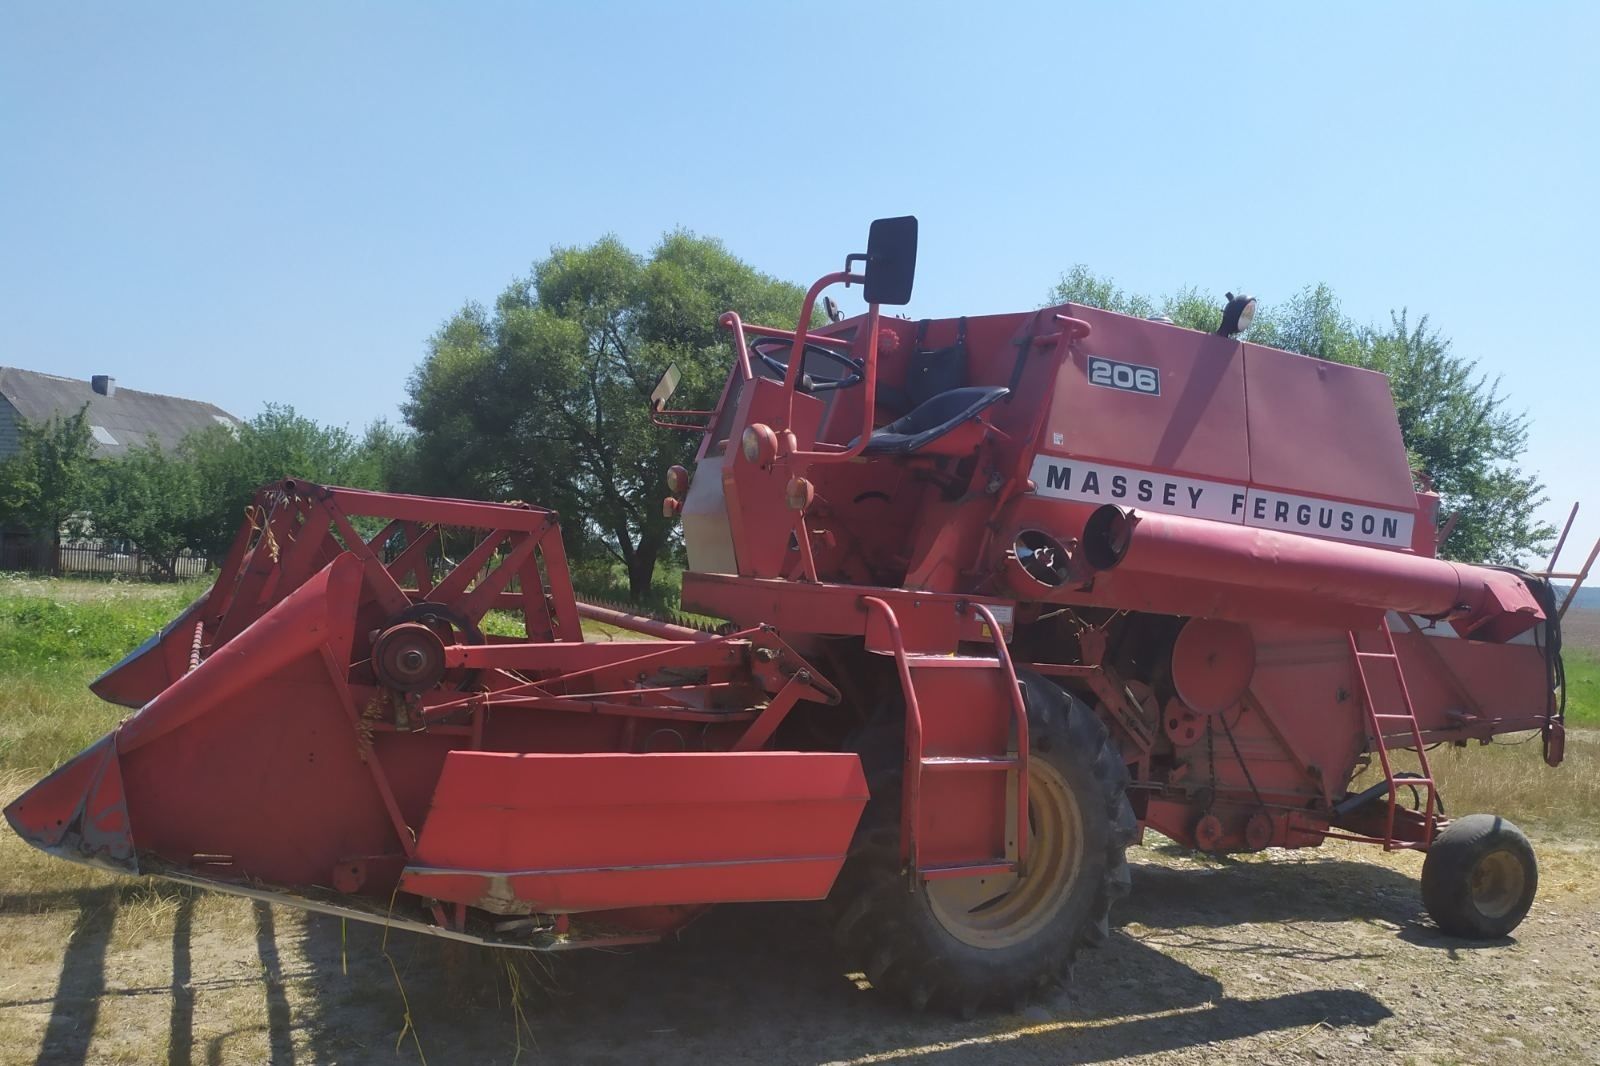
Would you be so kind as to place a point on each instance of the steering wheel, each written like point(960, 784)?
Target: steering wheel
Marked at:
point(853, 367)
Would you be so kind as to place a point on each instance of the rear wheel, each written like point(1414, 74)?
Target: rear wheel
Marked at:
point(1479, 878)
point(963, 943)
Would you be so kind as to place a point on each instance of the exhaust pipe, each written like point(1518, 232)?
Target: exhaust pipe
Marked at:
point(1479, 602)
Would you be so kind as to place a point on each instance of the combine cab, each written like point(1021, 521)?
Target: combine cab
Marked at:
point(1001, 592)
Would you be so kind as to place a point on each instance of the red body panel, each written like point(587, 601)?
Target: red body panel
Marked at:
point(563, 833)
point(1196, 426)
point(1319, 428)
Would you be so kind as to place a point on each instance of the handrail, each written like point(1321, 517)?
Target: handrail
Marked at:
point(869, 372)
point(730, 321)
point(798, 350)
point(913, 746)
point(1019, 710)
point(913, 753)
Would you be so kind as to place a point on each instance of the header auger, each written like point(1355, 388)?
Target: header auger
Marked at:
point(1002, 592)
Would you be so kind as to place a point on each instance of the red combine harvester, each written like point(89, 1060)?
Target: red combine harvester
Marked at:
point(1001, 593)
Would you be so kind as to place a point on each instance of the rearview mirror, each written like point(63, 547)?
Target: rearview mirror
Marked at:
point(666, 385)
point(891, 260)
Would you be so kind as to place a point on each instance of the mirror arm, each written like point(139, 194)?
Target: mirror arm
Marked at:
point(696, 427)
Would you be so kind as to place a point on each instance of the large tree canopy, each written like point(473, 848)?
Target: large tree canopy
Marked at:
point(1455, 422)
point(544, 398)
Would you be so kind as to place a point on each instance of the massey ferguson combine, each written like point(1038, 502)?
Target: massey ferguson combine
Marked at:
point(1001, 593)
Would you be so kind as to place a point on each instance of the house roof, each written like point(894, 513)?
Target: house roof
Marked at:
point(118, 422)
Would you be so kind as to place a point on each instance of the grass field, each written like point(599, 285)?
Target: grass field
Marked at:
point(1583, 688)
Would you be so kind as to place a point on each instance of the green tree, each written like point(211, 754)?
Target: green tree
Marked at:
point(1454, 421)
point(194, 496)
point(544, 397)
point(46, 483)
point(385, 458)
point(154, 499)
point(228, 464)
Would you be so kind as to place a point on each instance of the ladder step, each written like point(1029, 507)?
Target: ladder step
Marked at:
point(1409, 740)
point(970, 762)
point(959, 662)
point(974, 869)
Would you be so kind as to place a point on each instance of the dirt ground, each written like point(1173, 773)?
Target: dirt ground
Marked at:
point(1308, 956)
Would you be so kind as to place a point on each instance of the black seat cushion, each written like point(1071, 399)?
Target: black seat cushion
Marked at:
point(932, 419)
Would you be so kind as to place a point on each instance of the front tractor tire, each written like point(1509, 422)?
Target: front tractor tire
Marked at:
point(1479, 878)
point(960, 945)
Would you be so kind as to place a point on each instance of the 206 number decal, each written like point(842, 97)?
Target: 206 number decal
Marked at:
point(1129, 377)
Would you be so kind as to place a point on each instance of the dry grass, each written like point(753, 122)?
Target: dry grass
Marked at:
point(1512, 780)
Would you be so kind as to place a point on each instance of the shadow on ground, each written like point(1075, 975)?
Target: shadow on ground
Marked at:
point(756, 983)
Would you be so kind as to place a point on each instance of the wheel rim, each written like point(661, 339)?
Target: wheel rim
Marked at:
point(1003, 910)
point(1497, 884)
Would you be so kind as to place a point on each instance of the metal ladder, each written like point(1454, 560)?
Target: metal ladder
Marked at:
point(1380, 723)
point(919, 763)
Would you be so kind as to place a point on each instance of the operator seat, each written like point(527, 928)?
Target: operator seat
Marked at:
point(931, 428)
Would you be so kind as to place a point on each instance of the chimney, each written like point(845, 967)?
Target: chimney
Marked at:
point(104, 384)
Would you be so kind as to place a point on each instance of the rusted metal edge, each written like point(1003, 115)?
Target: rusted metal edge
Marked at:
point(545, 942)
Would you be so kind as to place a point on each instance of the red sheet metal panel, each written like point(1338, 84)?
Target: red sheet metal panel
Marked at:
point(146, 671)
point(1303, 682)
point(1324, 429)
point(80, 812)
point(1481, 687)
point(554, 833)
point(961, 816)
point(1192, 422)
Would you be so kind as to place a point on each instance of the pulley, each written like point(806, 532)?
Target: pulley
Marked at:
point(409, 657)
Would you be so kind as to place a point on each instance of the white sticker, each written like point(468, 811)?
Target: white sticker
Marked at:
point(1069, 479)
point(1328, 518)
point(1217, 501)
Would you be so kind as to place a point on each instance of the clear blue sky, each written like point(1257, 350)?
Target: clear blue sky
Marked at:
point(280, 202)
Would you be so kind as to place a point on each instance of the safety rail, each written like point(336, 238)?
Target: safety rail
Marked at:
point(916, 761)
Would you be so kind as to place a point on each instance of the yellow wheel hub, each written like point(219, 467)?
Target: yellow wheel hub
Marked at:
point(1497, 883)
point(999, 911)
